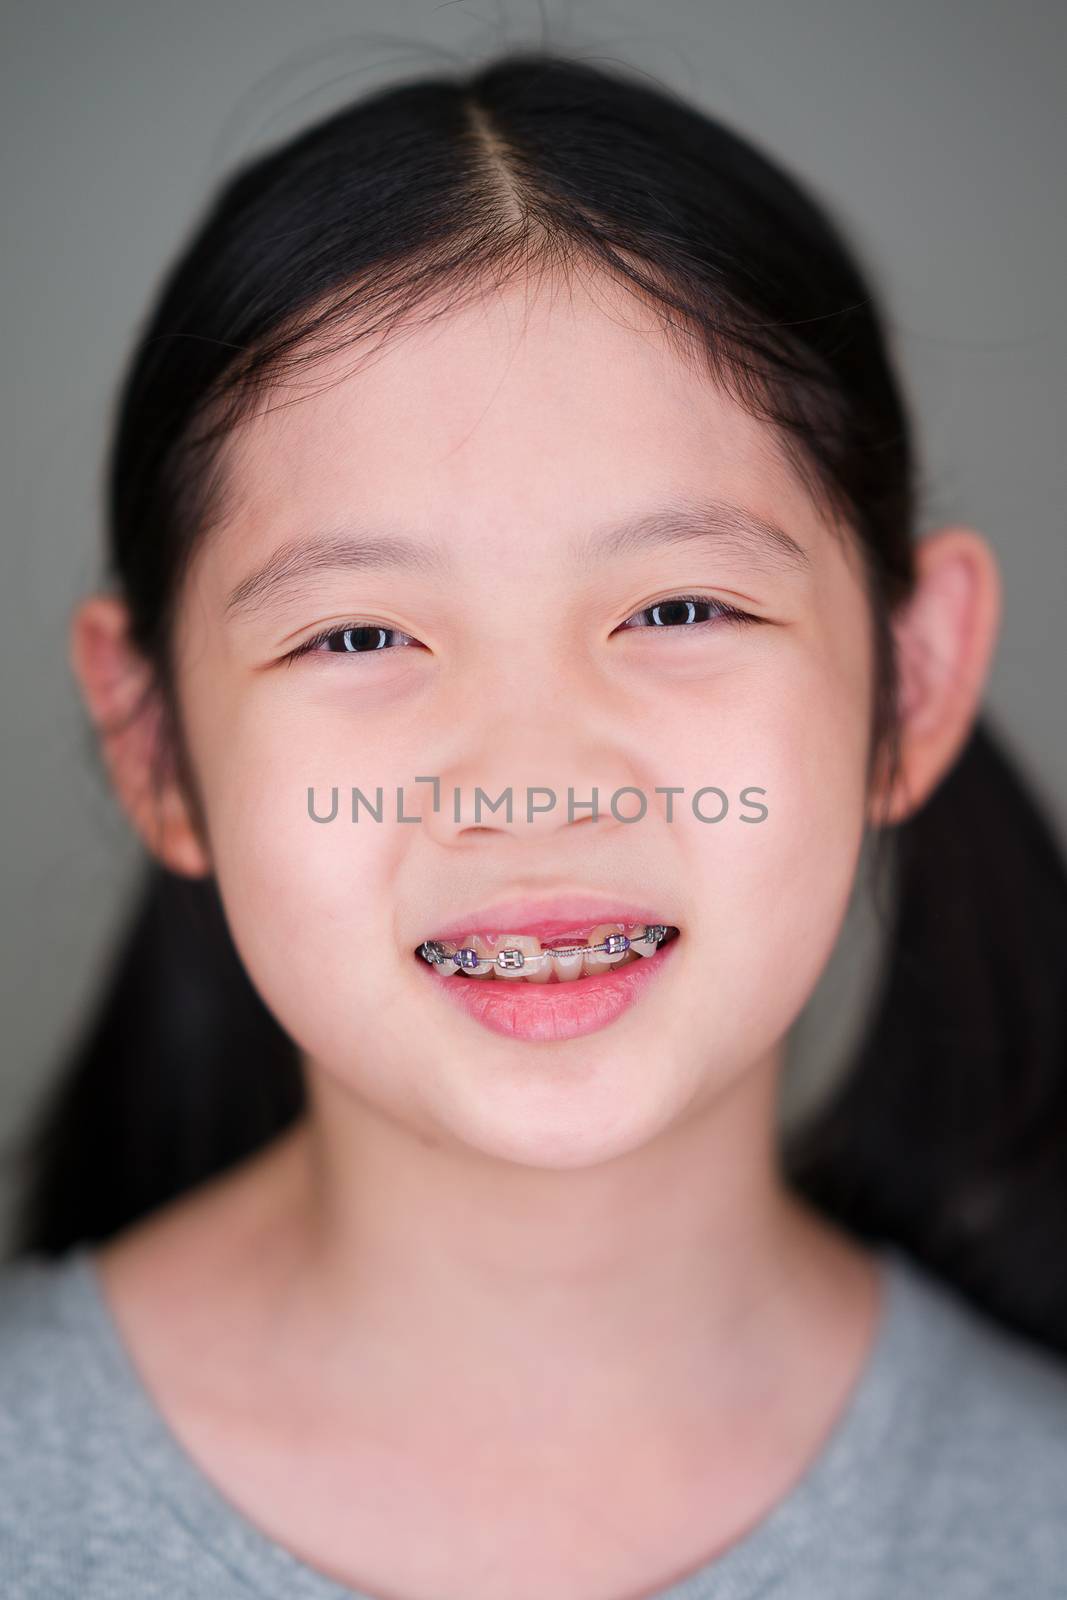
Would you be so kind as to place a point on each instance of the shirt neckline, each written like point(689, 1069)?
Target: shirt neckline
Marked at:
point(741, 1570)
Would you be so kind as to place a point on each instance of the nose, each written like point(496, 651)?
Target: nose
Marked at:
point(536, 772)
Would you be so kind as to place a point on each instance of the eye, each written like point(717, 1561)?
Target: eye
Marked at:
point(352, 638)
point(685, 612)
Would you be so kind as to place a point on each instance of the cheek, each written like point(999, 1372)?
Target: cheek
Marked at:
point(790, 876)
point(769, 895)
point(308, 902)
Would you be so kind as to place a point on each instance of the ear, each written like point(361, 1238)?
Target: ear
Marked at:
point(118, 687)
point(945, 637)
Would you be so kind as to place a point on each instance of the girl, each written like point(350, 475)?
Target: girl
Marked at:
point(413, 1223)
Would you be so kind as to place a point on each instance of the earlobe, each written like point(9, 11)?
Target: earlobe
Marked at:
point(945, 637)
point(118, 687)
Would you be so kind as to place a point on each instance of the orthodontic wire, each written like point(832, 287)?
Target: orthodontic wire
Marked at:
point(510, 960)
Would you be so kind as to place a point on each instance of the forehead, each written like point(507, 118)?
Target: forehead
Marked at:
point(533, 410)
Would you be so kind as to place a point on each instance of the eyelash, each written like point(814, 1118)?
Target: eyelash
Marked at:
point(722, 612)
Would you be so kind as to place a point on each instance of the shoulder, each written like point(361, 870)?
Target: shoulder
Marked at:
point(983, 1435)
point(97, 1498)
point(1009, 1386)
point(52, 1455)
point(39, 1317)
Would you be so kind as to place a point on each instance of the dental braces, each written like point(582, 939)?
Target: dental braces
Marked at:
point(510, 960)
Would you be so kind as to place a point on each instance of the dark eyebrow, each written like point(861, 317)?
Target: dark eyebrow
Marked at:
point(684, 520)
point(692, 518)
point(291, 562)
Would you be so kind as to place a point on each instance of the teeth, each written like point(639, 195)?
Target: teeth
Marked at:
point(484, 948)
point(569, 967)
point(496, 955)
point(599, 960)
point(535, 966)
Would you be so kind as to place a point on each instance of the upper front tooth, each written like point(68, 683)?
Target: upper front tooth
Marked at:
point(567, 967)
point(534, 963)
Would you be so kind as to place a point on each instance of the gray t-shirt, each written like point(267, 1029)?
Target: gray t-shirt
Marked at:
point(944, 1477)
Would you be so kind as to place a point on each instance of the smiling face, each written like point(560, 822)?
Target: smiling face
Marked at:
point(464, 492)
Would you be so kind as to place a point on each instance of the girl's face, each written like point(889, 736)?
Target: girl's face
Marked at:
point(464, 490)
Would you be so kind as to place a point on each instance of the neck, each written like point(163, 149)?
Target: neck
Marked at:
point(681, 1273)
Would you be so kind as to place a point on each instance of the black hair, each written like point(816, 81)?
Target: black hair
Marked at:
point(948, 1132)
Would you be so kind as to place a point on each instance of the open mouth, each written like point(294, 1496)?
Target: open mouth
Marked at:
point(524, 959)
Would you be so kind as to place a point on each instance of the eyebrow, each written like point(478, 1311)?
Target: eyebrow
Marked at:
point(725, 524)
point(350, 551)
point(691, 519)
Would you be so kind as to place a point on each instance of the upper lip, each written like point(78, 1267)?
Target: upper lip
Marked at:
point(561, 916)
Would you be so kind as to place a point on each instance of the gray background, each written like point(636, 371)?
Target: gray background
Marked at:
point(935, 131)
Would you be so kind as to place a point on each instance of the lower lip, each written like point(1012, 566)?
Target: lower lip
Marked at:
point(552, 1011)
